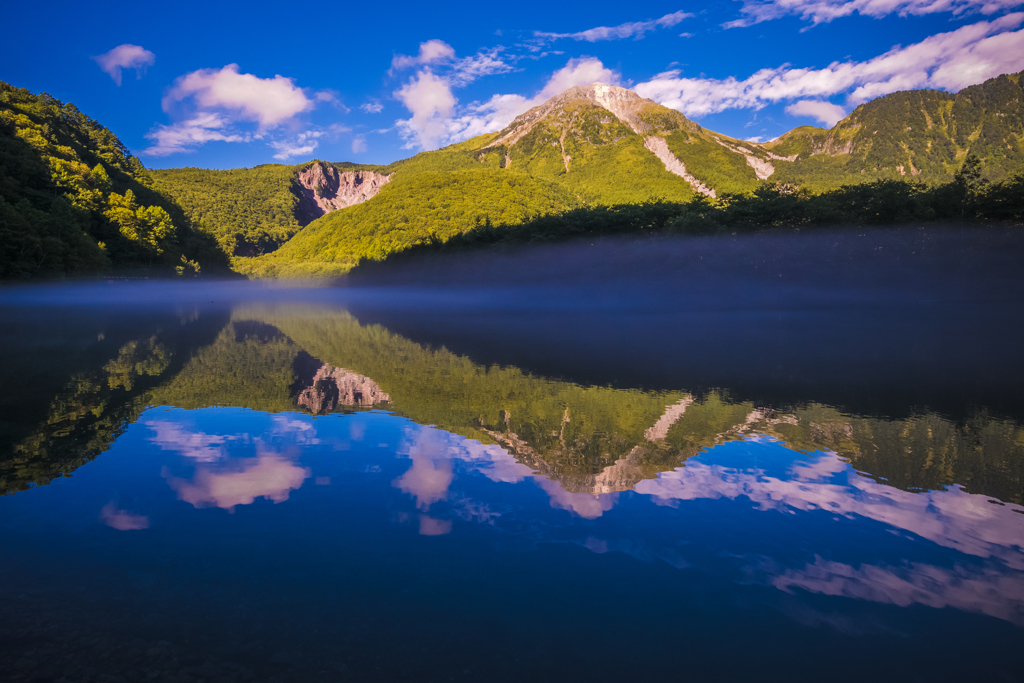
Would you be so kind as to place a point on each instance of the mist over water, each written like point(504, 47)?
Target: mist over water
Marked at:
point(779, 456)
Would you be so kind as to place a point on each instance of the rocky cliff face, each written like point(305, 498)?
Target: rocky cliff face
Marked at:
point(323, 188)
point(332, 387)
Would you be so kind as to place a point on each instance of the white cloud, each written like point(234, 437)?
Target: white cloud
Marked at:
point(632, 29)
point(125, 56)
point(826, 112)
point(949, 61)
point(483, 63)
point(216, 101)
point(429, 98)
point(431, 52)
point(359, 144)
point(824, 11)
point(268, 101)
point(304, 143)
point(372, 107)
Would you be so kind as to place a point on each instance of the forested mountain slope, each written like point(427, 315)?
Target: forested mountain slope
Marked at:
point(253, 211)
point(922, 134)
point(73, 199)
point(599, 146)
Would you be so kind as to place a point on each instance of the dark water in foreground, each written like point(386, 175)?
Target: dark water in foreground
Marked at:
point(778, 458)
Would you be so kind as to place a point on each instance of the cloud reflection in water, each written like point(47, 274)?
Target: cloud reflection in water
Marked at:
point(122, 520)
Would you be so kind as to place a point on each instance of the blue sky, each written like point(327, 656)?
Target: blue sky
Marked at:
point(224, 86)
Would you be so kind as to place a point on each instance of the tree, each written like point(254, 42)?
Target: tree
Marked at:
point(149, 227)
point(968, 184)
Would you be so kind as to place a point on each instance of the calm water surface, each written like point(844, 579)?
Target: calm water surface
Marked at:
point(775, 458)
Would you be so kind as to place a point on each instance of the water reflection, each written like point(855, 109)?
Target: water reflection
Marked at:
point(331, 419)
point(225, 471)
point(122, 520)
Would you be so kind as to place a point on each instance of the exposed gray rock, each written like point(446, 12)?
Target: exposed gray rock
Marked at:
point(332, 387)
point(324, 189)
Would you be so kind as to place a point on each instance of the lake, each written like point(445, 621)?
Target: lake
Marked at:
point(773, 457)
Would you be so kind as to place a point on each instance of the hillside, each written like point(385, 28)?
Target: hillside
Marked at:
point(599, 146)
point(74, 200)
point(253, 211)
point(915, 134)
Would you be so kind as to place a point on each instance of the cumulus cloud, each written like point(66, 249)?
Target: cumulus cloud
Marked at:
point(445, 125)
point(824, 11)
point(632, 29)
point(948, 61)
point(431, 52)
point(268, 101)
point(826, 112)
point(302, 144)
point(125, 56)
point(214, 103)
point(429, 98)
point(372, 107)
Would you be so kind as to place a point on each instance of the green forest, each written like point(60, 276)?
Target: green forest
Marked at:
point(74, 200)
point(249, 211)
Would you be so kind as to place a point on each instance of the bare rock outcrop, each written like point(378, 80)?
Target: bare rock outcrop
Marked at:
point(324, 189)
point(674, 165)
point(763, 169)
point(333, 387)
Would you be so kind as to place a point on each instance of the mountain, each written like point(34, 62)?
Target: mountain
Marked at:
point(601, 145)
point(923, 134)
point(73, 199)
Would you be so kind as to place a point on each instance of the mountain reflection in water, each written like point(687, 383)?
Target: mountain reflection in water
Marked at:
point(269, 489)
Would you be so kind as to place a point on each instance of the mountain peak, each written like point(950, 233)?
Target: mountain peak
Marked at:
point(623, 103)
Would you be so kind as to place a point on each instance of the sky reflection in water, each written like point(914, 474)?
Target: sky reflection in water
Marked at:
point(943, 548)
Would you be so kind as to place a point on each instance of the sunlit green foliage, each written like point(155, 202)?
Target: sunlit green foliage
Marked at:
point(250, 211)
point(920, 134)
point(248, 365)
point(423, 207)
point(712, 163)
point(73, 199)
